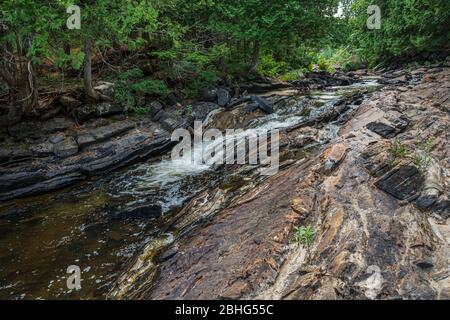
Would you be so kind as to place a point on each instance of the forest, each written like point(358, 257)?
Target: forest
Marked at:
point(152, 47)
point(225, 150)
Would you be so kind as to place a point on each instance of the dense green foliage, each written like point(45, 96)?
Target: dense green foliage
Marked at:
point(409, 28)
point(151, 47)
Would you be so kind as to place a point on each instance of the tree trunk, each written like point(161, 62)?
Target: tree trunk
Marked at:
point(255, 57)
point(26, 81)
point(87, 76)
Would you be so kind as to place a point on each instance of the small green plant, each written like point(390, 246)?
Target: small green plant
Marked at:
point(139, 110)
point(132, 83)
point(304, 235)
point(422, 157)
point(398, 151)
point(293, 75)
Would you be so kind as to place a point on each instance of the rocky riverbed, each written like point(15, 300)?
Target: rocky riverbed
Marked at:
point(368, 171)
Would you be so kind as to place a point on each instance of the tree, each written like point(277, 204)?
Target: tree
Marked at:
point(267, 24)
point(409, 28)
point(109, 23)
point(25, 42)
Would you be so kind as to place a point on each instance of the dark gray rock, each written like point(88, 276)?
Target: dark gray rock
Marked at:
point(388, 130)
point(169, 124)
point(56, 125)
point(327, 79)
point(42, 149)
point(23, 130)
point(104, 109)
point(172, 99)
point(107, 109)
point(201, 110)
point(155, 107)
point(261, 87)
point(251, 107)
point(263, 104)
point(56, 138)
point(90, 136)
point(223, 97)
point(208, 95)
point(43, 175)
point(160, 116)
point(65, 148)
point(403, 182)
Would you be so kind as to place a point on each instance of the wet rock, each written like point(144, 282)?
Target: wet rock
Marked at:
point(65, 148)
point(57, 124)
point(261, 87)
point(367, 244)
point(403, 79)
point(329, 79)
point(403, 182)
point(223, 97)
point(149, 211)
point(263, 104)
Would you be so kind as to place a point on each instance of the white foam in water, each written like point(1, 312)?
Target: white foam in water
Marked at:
point(168, 180)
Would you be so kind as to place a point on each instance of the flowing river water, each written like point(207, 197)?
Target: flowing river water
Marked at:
point(100, 224)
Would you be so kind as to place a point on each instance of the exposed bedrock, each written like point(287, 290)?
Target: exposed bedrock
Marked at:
point(378, 206)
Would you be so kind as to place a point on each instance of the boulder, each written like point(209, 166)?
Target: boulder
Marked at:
point(263, 104)
point(223, 97)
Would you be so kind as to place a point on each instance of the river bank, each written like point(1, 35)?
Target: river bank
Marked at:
point(237, 251)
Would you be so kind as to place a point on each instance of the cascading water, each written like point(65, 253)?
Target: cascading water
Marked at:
point(101, 223)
